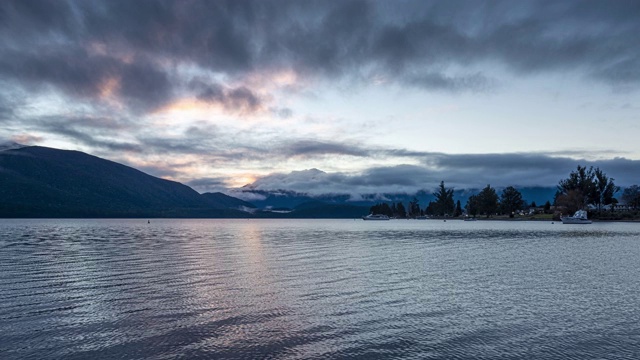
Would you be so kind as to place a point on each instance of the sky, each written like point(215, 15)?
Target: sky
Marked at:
point(329, 96)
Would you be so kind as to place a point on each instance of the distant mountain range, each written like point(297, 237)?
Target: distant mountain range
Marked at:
point(284, 199)
point(44, 182)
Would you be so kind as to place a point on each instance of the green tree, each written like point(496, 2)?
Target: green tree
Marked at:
point(573, 200)
point(580, 185)
point(382, 208)
point(488, 201)
point(472, 205)
point(547, 207)
point(605, 189)
point(430, 209)
point(631, 196)
point(511, 201)
point(458, 210)
point(414, 208)
point(400, 211)
point(586, 186)
point(444, 200)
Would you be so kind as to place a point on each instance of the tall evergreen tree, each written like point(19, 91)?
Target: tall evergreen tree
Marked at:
point(400, 211)
point(444, 200)
point(381, 208)
point(488, 201)
point(458, 210)
point(414, 208)
point(511, 201)
point(472, 205)
point(430, 209)
point(605, 189)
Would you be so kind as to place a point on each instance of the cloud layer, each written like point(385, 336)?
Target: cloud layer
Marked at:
point(459, 171)
point(135, 48)
point(209, 92)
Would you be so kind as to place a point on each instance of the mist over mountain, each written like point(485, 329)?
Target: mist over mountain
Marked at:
point(286, 199)
point(403, 183)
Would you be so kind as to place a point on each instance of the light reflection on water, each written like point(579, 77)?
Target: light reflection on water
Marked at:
point(318, 289)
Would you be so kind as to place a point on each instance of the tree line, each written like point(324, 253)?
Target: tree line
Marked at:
point(583, 188)
point(487, 203)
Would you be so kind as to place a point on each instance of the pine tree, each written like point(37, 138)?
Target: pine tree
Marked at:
point(511, 201)
point(458, 211)
point(444, 204)
point(401, 212)
point(488, 201)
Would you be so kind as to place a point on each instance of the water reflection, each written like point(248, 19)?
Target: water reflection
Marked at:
point(322, 288)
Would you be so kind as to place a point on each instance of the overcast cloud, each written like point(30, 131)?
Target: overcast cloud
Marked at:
point(76, 46)
point(219, 93)
point(463, 171)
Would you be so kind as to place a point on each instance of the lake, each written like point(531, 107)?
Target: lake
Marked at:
point(325, 289)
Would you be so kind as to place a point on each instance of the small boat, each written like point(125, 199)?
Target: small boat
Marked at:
point(422, 217)
point(469, 219)
point(375, 217)
point(580, 217)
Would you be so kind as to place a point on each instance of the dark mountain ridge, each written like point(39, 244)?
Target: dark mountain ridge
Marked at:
point(44, 182)
point(219, 199)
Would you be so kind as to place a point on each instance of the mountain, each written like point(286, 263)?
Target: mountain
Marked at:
point(10, 146)
point(219, 199)
point(539, 195)
point(294, 200)
point(44, 182)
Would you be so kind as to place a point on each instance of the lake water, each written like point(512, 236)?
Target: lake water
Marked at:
point(299, 289)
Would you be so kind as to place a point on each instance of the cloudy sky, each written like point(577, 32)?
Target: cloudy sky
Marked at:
point(329, 96)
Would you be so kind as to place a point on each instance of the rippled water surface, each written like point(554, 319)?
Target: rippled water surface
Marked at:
point(298, 289)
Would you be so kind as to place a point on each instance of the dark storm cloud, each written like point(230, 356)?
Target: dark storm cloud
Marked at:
point(414, 43)
point(502, 162)
point(140, 84)
point(216, 34)
point(239, 99)
point(24, 19)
